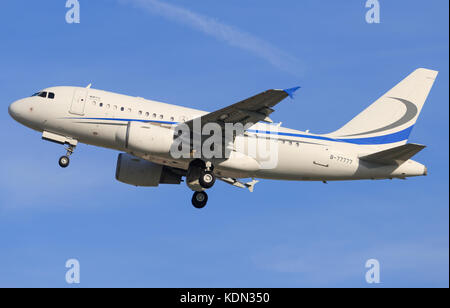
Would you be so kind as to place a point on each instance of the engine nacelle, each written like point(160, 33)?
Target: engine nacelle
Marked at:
point(139, 172)
point(145, 138)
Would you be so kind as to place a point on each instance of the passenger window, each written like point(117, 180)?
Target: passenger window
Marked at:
point(172, 118)
point(147, 114)
point(51, 95)
point(122, 109)
point(161, 116)
point(115, 107)
point(43, 94)
point(101, 104)
point(154, 115)
point(107, 106)
point(140, 112)
point(129, 109)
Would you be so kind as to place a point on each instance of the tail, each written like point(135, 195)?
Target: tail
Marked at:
point(389, 120)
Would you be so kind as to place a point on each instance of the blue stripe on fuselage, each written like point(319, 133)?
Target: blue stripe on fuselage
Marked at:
point(384, 139)
point(390, 138)
point(125, 120)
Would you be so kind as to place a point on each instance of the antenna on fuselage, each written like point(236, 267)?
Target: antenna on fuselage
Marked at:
point(89, 86)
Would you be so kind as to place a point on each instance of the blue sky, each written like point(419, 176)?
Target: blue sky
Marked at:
point(206, 56)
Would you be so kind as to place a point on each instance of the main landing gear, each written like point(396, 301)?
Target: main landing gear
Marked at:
point(207, 179)
point(64, 161)
point(199, 199)
point(200, 176)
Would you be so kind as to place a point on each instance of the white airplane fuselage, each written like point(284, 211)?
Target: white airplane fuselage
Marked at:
point(96, 118)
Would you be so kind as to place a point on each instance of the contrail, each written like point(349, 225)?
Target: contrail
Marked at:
point(223, 32)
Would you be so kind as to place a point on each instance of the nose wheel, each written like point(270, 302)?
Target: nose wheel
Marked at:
point(64, 161)
point(199, 199)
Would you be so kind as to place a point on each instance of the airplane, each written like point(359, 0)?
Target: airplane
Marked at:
point(373, 145)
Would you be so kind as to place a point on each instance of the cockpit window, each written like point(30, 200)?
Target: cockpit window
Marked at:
point(43, 94)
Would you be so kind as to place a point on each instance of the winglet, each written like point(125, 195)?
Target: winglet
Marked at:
point(291, 91)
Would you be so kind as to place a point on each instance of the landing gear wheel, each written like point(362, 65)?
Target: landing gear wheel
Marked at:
point(199, 199)
point(64, 161)
point(207, 179)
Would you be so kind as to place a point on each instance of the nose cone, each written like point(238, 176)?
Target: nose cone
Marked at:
point(23, 111)
point(13, 110)
point(17, 110)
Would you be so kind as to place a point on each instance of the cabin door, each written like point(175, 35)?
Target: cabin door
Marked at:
point(78, 102)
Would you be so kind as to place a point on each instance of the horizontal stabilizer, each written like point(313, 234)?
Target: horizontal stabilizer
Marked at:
point(397, 155)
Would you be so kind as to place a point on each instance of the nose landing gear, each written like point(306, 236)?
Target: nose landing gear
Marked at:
point(64, 161)
point(71, 143)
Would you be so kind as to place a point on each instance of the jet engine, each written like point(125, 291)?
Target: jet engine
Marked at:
point(145, 138)
point(139, 172)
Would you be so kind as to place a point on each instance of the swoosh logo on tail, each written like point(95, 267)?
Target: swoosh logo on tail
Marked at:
point(411, 112)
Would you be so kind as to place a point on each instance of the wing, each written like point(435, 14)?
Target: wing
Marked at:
point(251, 110)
